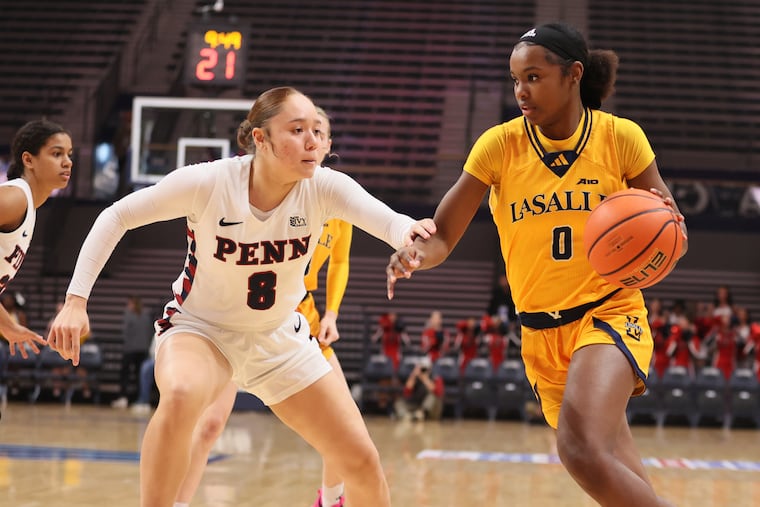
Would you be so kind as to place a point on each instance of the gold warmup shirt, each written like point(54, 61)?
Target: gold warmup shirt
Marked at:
point(335, 243)
point(542, 191)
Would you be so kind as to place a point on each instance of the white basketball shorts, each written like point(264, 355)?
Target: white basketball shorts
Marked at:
point(272, 364)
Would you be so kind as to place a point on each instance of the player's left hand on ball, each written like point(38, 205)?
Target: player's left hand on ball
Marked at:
point(669, 202)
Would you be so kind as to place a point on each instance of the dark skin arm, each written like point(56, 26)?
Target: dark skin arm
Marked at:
point(12, 208)
point(453, 215)
point(458, 207)
point(12, 212)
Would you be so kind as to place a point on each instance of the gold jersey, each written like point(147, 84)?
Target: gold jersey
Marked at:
point(542, 191)
point(335, 243)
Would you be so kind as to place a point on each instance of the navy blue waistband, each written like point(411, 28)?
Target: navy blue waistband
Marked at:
point(545, 320)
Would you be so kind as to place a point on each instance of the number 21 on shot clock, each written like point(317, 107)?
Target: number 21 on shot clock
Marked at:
point(215, 54)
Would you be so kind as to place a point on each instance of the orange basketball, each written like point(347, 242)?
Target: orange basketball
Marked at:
point(633, 239)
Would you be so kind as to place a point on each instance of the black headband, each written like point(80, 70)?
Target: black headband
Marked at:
point(557, 40)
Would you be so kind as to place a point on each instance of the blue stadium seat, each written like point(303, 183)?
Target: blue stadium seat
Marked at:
point(86, 375)
point(478, 391)
point(512, 389)
point(710, 395)
point(21, 374)
point(744, 402)
point(448, 369)
point(53, 374)
point(648, 404)
point(378, 385)
point(677, 395)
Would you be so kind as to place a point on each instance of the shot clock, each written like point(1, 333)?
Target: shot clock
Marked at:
point(215, 54)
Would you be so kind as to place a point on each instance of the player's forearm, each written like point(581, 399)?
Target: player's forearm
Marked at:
point(434, 251)
point(6, 321)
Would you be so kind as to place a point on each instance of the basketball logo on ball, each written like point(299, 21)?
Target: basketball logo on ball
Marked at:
point(633, 239)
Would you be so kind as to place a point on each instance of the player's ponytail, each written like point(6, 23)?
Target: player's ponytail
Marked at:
point(599, 75)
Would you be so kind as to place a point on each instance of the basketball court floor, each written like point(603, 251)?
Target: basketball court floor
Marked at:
point(82, 455)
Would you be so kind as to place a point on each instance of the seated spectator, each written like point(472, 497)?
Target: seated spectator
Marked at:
point(147, 382)
point(422, 397)
point(137, 332)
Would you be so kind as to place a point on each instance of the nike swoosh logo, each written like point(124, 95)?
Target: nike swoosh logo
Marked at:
point(297, 327)
point(225, 224)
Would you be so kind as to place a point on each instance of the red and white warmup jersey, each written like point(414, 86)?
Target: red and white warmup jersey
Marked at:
point(14, 244)
point(241, 272)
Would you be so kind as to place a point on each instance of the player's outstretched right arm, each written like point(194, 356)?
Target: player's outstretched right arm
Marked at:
point(453, 215)
point(68, 327)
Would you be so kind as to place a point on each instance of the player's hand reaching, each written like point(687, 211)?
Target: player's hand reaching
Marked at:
point(669, 201)
point(68, 327)
point(420, 229)
point(328, 328)
point(402, 264)
point(19, 338)
point(681, 219)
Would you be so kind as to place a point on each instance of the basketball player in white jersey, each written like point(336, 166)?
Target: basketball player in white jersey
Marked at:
point(252, 224)
point(40, 163)
point(325, 329)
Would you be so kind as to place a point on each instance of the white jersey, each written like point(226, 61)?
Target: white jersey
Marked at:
point(240, 273)
point(14, 244)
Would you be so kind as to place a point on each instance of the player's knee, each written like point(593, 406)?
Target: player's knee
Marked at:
point(181, 400)
point(211, 427)
point(362, 461)
point(581, 454)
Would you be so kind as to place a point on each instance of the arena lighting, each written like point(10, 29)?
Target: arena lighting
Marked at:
point(217, 6)
point(755, 192)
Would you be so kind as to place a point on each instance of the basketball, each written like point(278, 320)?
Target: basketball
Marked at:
point(633, 239)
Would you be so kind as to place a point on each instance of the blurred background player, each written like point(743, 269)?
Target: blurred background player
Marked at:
point(41, 163)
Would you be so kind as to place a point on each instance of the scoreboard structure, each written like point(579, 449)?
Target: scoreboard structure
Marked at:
point(216, 54)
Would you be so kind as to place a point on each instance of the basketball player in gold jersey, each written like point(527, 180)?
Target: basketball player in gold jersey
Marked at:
point(335, 244)
point(586, 344)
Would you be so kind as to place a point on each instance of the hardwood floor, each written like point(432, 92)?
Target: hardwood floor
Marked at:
point(85, 456)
